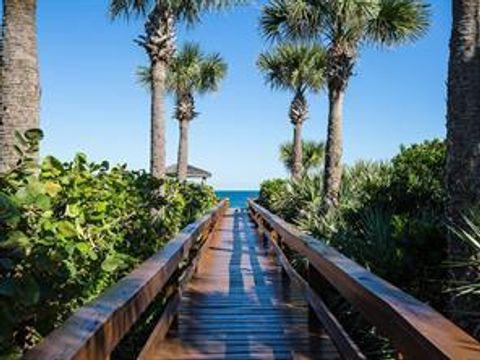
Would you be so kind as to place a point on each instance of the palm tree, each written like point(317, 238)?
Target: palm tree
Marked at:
point(159, 43)
point(19, 76)
point(344, 26)
point(190, 72)
point(313, 153)
point(463, 131)
point(463, 126)
point(296, 68)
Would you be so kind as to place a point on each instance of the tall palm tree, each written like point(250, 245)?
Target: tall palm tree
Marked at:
point(296, 68)
point(463, 128)
point(19, 76)
point(313, 154)
point(191, 72)
point(159, 43)
point(344, 26)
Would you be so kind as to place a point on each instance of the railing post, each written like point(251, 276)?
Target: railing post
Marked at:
point(318, 284)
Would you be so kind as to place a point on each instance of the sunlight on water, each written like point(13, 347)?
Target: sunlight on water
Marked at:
point(238, 198)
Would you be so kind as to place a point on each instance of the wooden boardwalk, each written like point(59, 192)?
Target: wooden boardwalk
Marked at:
point(240, 306)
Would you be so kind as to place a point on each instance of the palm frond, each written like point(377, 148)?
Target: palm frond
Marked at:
point(398, 21)
point(213, 70)
point(189, 11)
point(313, 155)
point(144, 77)
point(347, 23)
point(294, 67)
point(191, 71)
point(128, 8)
point(290, 20)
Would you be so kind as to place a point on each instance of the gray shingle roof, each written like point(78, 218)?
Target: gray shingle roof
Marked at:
point(192, 172)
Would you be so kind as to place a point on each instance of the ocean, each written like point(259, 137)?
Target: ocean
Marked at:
point(238, 198)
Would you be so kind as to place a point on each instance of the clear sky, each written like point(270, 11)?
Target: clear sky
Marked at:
point(91, 102)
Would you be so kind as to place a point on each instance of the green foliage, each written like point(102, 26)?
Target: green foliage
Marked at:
point(298, 198)
point(390, 218)
point(467, 288)
point(364, 184)
point(294, 67)
point(270, 191)
point(191, 71)
point(188, 11)
point(418, 177)
point(70, 230)
point(346, 23)
point(313, 155)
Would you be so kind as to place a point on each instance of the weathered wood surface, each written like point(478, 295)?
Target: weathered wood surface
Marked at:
point(93, 331)
point(345, 345)
point(238, 306)
point(417, 330)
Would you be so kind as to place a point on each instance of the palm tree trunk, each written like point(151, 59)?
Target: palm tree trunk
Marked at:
point(182, 163)
point(157, 143)
point(463, 118)
point(298, 114)
point(19, 75)
point(334, 149)
point(463, 128)
point(159, 43)
point(297, 151)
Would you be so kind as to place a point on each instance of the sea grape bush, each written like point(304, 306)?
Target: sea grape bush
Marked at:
point(70, 230)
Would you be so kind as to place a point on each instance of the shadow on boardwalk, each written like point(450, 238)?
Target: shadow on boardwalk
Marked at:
point(238, 305)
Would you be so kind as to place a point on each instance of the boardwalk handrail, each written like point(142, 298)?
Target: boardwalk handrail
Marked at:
point(94, 330)
point(416, 329)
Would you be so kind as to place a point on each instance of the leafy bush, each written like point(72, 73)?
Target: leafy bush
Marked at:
point(391, 214)
point(364, 184)
point(390, 220)
point(466, 287)
point(68, 231)
point(271, 191)
point(313, 154)
point(418, 174)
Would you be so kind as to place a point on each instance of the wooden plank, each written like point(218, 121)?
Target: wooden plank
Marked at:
point(238, 307)
point(171, 309)
point(345, 344)
point(94, 330)
point(416, 329)
point(163, 324)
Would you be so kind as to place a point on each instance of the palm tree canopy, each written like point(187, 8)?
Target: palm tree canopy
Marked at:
point(190, 71)
point(183, 10)
point(313, 153)
point(347, 22)
point(295, 67)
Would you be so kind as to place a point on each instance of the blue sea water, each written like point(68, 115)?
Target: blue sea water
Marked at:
point(238, 198)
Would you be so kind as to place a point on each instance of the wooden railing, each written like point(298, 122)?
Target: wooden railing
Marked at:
point(416, 330)
point(94, 331)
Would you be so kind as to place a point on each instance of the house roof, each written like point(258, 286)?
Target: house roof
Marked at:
point(192, 172)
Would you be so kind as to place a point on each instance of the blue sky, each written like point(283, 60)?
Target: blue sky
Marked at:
point(91, 102)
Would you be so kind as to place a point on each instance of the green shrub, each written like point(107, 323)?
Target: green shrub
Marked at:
point(364, 184)
point(418, 174)
point(271, 191)
point(390, 218)
point(465, 284)
point(68, 231)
